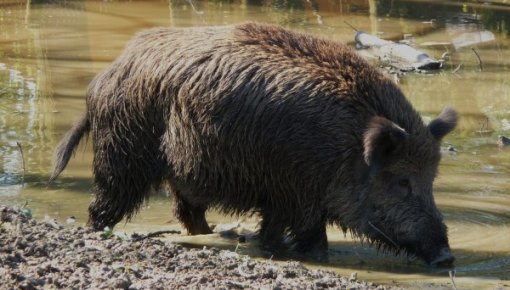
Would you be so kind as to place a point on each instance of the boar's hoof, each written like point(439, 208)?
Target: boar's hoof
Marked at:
point(444, 259)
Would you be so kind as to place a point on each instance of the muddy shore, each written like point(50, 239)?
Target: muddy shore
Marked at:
point(47, 255)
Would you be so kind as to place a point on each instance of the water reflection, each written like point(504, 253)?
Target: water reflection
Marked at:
point(452, 13)
point(50, 50)
point(19, 108)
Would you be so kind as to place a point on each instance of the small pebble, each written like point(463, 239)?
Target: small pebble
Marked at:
point(503, 141)
point(449, 150)
point(70, 220)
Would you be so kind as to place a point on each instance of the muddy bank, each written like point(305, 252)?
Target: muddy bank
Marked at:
point(46, 255)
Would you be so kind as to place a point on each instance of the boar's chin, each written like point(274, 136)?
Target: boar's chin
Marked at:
point(378, 239)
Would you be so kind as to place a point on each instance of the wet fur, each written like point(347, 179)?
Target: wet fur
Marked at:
point(246, 118)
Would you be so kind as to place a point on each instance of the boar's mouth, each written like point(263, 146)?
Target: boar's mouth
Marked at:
point(441, 257)
point(434, 256)
point(444, 259)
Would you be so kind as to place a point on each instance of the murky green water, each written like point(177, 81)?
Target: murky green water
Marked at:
point(50, 52)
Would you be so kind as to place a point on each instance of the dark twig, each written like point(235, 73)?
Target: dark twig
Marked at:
point(155, 234)
point(348, 24)
point(381, 232)
point(479, 59)
point(23, 160)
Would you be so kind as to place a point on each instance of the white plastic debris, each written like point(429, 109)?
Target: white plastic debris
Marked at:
point(472, 38)
point(399, 55)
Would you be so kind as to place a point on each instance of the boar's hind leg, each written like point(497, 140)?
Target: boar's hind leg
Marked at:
point(122, 181)
point(191, 216)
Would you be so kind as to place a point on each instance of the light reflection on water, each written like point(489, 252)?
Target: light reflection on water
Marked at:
point(50, 52)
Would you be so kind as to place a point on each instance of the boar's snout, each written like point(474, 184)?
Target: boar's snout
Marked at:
point(432, 245)
point(445, 258)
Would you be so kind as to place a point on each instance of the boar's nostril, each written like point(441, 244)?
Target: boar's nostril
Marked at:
point(445, 258)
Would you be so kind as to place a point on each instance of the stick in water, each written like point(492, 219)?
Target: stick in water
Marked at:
point(452, 277)
point(457, 69)
point(23, 162)
point(156, 234)
point(479, 59)
point(355, 29)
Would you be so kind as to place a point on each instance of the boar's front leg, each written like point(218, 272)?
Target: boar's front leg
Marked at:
point(312, 238)
point(271, 229)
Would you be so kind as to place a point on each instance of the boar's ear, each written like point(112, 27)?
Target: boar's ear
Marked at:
point(381, 140)
point(444, 124)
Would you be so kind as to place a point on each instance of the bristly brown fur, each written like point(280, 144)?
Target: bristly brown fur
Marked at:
point(245, 118)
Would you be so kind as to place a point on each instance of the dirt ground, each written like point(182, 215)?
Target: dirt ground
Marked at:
point(48, 255)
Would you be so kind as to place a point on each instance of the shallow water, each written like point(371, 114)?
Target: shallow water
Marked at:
point(50, 52)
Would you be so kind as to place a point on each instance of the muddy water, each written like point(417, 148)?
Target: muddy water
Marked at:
point(50, 52)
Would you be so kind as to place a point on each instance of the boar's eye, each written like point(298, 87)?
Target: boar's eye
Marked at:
point(404, 182)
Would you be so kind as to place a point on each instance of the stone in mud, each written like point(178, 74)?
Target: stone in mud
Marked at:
point(503, 141)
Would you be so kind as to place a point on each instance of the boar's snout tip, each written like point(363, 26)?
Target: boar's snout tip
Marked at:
point(444, 259)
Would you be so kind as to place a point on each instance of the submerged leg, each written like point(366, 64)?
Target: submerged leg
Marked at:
point(191, 216)
point(313, 239)
point(271, 230)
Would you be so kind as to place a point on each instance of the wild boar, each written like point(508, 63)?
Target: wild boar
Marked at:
point(258, 118)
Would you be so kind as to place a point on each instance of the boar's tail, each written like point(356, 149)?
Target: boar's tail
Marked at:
point(67, 146)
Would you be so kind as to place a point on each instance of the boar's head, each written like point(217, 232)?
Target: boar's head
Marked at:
point(398, 209)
